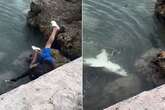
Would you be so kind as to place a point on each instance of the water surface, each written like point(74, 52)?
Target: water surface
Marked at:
point(15, 40)
point(125, 29)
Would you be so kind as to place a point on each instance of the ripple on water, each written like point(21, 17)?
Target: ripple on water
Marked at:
point(126, 26)
point(119, 23)
point(15, 40)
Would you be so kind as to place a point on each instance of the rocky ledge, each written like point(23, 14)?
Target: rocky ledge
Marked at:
point(61, 89)
point(67, 13)
point(150, 100)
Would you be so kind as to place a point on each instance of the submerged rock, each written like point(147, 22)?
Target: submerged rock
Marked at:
point(102, 88)
point(67, 13)
point(152, 66)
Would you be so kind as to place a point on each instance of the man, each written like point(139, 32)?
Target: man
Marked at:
point(46, 54)
point(42, 61)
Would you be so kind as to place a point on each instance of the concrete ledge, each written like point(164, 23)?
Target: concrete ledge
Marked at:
point(149, 100)
point(60, 89)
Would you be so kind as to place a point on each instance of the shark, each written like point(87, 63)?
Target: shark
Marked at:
point(102, 60)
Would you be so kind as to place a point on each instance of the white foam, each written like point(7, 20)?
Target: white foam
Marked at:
point(102, 60)
point(26, 11)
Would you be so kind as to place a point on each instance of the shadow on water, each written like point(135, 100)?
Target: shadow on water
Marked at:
point(102, 88)
point(20, 63)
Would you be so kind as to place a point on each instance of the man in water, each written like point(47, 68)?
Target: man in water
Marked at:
point(42, 61)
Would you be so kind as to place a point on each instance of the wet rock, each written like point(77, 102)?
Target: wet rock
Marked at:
point(160, 9)
point(102, 89)
point(152, 66)
point(67, 13)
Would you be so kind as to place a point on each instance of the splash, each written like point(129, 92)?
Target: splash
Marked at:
point(102, 60)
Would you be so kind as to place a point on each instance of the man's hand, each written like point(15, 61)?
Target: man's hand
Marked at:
point(33, 65)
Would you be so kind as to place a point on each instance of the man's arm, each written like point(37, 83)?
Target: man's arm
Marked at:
point(34, 59)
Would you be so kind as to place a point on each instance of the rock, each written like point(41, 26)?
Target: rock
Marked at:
point(60, 59)
point(149, 100)
point(159, 62)
point(160, 9)
point(67, 13)
point(102, 89)
point(59, 89)
point(152, 66)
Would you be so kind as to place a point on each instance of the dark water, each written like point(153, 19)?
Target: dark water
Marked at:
point(15, 40)
point(125, 29)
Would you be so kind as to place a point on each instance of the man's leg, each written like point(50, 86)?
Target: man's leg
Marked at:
point(50, 41)
point(53, 35)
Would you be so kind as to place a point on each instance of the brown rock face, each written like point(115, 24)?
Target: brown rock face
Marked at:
point(67, 13)
point(152, 66)
point(158, 64)
point(160, 9)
